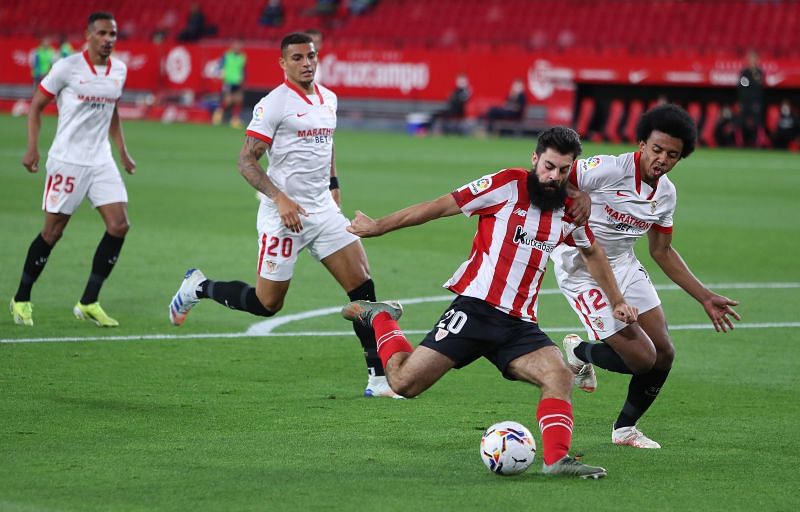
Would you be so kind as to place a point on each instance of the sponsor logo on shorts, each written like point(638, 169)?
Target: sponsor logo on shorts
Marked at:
point(598, 322)
point(479, 185)
point(440, 334)
point(272, 266)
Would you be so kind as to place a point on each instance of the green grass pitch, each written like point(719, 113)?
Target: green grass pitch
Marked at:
point(277, 422)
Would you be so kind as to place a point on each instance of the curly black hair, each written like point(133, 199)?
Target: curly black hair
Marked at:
point(672, 120)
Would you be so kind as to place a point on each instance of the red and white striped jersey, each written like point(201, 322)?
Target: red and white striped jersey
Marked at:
point(512, 245)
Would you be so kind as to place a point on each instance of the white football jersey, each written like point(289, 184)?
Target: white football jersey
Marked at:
point(513, 243)
point(623, 207)
point(299, 129)
point(86, 97)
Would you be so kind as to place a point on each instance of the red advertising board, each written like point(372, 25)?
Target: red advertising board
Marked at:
point(418, 74)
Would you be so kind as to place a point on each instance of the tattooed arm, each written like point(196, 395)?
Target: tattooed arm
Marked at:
point(289, 211)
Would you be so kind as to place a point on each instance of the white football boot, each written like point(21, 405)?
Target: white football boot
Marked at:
point(378, 387)
point(632, 436)
point(186, 297)
point(585, 377)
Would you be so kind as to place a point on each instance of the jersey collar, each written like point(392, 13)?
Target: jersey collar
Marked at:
point(302, 94)
point(91, 66)
point(636, 157)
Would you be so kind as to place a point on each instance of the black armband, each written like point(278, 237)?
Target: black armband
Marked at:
point(334, 183)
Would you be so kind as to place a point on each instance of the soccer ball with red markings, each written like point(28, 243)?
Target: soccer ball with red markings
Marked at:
point(507, 448)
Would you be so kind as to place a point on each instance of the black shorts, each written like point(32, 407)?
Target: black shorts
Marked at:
point(471, 328)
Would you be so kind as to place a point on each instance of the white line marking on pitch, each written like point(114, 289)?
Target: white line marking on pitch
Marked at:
point(265, 328)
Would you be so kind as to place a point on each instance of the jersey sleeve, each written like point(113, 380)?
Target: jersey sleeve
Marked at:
point(487, 194)
point(595, 173)
point(578, 236)
point(267, 115)
point(56, 79)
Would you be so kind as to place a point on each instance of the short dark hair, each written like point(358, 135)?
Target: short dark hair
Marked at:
point(295, 38)
point(100, 15)
point(672, 120)
point(562, 139)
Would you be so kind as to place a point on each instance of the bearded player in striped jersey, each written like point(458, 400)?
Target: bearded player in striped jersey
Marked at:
point(521, 219)
point(631, 196)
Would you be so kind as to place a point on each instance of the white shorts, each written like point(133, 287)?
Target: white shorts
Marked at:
point(592, 306)
point(68, 184)
point(323, 233)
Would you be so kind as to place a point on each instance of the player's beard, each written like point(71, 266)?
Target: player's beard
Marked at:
point(546, 197)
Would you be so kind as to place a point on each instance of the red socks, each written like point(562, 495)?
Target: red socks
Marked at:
point(555, 423)
point(389, 337)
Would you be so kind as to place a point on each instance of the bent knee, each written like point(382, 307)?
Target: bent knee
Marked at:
point(118, 229)
point(272, 305)
point(404, 387)
point(665, 358)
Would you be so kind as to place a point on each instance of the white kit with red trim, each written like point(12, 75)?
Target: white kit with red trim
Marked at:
point(623, 206)
point(86, 96)
point(299, 129)
point(512, 245)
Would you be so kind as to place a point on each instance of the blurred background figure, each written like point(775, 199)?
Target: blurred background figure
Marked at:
point(232, 70)
point(751, 100)
point(273, 14)
point(65, 49)
point(451, 118)
point(358, 7)
point(42, 60)
point(787, 131)
point(196, 27)
point(512, 110)
point(725, 130)
point(316, 39)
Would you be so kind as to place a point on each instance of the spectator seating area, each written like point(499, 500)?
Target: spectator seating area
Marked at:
point(620, 123)
point(604, 26)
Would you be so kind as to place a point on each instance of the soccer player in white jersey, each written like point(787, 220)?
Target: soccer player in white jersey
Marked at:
point(632, 196)
point(294, 125)
point(87, 87)
point(521, 219)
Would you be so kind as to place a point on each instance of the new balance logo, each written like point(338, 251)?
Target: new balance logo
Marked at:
point(521, 212)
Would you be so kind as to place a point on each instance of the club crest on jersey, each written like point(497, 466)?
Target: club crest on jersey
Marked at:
point(440, 334)
point(479, 185)
point(258, 113)
point(590, 163)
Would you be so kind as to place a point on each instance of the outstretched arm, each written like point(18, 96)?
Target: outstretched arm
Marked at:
point(420, 213)
point(115, 130)
point(289, 211)
point(716, 306)
point(597, 263)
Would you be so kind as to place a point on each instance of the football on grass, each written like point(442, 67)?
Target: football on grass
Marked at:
point(507, 448)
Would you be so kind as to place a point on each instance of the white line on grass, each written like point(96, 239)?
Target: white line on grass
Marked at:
point(265, 328)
